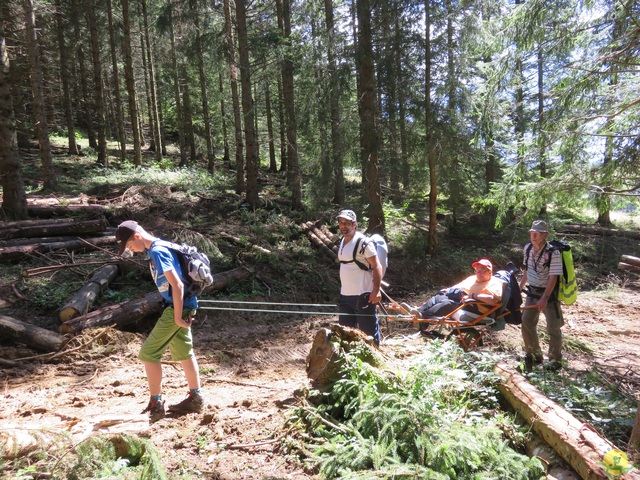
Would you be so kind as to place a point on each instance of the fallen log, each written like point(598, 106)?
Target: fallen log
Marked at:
point(577, 442)
point(30, 241)
point(44, 201)
point(597, 230)
point(82, 301)
point(9, 254)
point(78, 227)
point(628, 267)
point(324, 359)
point(223, 279)
point(31, 223)
point(50, 211)
point(630, 259)
point(238, 241)
point(121, 314)
point(128, 312)
point(31, 335)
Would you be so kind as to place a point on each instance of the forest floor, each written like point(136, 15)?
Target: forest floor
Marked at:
point(253, 372)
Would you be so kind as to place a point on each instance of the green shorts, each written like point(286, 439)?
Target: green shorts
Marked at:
point(167, 334)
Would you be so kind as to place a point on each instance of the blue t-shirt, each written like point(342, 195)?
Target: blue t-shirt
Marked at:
point(162, 260)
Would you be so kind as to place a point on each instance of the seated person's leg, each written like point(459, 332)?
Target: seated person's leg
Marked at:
point(438, 306)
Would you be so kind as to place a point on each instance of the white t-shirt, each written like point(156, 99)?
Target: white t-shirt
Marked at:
point(354, 280)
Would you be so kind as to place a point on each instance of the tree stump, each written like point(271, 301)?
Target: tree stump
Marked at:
point(326, 355)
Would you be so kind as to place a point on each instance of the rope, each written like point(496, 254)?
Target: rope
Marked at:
point(262, 310)
point(269, 303)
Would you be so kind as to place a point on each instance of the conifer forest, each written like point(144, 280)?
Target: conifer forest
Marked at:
point(507, 106)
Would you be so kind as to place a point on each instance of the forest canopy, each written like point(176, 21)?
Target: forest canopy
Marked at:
point(505, 108)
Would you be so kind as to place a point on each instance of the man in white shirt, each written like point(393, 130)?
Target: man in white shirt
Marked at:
point(542, 267)
point(360, 277)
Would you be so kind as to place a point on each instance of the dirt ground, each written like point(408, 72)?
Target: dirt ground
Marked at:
point(253, 368)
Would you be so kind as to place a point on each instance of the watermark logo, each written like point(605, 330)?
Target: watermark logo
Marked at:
point(615, 463)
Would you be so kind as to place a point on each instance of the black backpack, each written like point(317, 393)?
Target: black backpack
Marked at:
point(514, 300)
point(195, 267)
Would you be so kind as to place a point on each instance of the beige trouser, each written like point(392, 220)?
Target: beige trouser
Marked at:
point(553, 316)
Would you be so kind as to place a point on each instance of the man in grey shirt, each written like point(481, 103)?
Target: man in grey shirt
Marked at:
point(542, 267)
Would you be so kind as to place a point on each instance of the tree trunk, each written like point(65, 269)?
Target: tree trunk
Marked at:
point(116, 84)
point(630, 259)
point(65, 75)
point(98, 90)
point(368, 131)
point(131, 311)
point(577, 442)
point(9, 254)
point(251, 157)
point(82, 301)
point(31, 335)
point(293, 164)
point(121, 314)
point(235, 98)
point(131, 83)
point(82, 70)
point(273, 165)
point(14, 200)
point(203, 94)
point(598, 230)
point(176, 90)
point(339, 192)
point(432, 237)
point(48, 211)
point(284, 164)
point(39, 105)
point(187, 115)
point(225, 139)
point(78, 227)
point(153, 112)
point(325, 357)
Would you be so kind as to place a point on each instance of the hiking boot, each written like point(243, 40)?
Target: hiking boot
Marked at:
point(155, 409)
point(530, 361)
point(194, 403)
point(552, 365)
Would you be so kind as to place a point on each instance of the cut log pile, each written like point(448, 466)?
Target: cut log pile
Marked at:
point(22, 238)
point(629, 263)
point(322, 238)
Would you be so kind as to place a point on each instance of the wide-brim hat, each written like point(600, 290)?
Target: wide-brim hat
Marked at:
point(539, 226)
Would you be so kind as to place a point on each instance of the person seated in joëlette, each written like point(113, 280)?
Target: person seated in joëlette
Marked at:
point(477, 293)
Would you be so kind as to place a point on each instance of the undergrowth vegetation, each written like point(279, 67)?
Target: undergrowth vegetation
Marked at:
point(594, 400)
point(438, 418)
